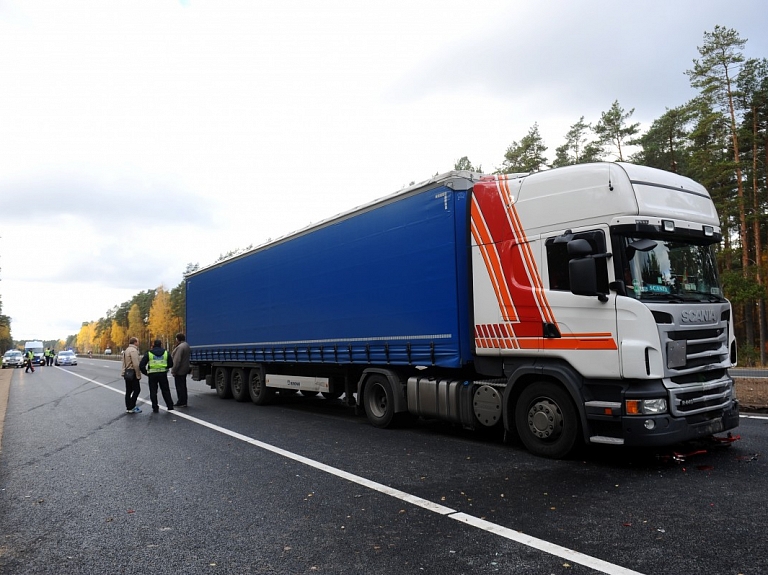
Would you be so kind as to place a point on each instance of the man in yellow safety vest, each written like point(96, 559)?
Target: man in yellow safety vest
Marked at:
point(155, 365)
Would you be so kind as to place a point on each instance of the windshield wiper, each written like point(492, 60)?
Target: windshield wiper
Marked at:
point(667, 296)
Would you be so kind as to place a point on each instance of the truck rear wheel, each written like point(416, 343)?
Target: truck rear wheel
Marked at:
point(546, 420)
point(379, 401)
point(222, 381)
point(239, 385)
point(259, 392)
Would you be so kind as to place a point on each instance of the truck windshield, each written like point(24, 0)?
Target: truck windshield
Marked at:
point(675, 269)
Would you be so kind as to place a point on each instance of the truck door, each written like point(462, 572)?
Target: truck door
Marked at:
point(586, 331)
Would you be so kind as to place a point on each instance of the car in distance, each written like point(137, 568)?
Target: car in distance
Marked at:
point(13, 358)
point(65, 358)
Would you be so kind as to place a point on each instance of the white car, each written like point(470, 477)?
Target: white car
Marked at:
point(13, 358)
point(65, 358)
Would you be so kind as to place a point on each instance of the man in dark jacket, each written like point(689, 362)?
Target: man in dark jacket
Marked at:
point(181, 368)
point(155, 365)
point(29, 356)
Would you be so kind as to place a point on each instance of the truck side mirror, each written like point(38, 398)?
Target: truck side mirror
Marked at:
point(583, 274)
point(582, 269)
point(579, 248)
point(642, 245)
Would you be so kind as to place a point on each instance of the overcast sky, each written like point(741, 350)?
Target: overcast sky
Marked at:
point(138, 137)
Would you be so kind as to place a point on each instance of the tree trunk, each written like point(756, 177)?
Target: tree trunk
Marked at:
point(757, 238)
point(743, 230)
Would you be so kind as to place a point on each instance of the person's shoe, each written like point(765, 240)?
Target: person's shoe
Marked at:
point(136, 410)
point(181, 405)
point(129, 411)
point(155, 410)
point(170, 408)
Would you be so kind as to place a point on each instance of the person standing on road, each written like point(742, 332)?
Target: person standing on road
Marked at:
point(131, 374)
point(48, 356)
point(155, 365)
point(30, 358)
point(181, 368)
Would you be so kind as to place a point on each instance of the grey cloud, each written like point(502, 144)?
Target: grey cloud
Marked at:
point(576, 58)
point(103, 202)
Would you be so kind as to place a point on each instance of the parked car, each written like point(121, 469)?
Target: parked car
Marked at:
point(13, 358)
point(65, 358)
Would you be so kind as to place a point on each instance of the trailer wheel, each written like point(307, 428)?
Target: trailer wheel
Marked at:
point(379, 402)
point(239, 384)
point(260, 393)
point(222, 381)
point(546, 420)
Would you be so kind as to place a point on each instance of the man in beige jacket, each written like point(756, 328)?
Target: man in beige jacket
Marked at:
point(131, 366)
point(181, 368)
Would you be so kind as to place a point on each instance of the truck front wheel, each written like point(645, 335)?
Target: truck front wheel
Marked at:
point(546, 420)
point(379, 401)
point(222, 381)
point(239, 385)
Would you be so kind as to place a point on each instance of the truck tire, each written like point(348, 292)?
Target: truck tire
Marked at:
point(222, 381)
point(379, 401)
point(259, 392)
point(239, 384)
point(546, 420)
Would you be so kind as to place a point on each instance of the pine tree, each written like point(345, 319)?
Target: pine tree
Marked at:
point(714, 74)
point(613, 130)
point(526, 156)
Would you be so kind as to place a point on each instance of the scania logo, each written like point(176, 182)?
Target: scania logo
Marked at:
point(699, 316)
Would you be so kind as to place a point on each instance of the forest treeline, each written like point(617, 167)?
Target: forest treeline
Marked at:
point(719, 138)
point(152, 314)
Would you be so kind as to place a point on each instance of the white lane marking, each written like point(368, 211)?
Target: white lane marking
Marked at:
point(507, 533)
point(765, 417)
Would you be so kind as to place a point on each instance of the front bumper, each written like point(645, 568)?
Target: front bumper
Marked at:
point(665, 429)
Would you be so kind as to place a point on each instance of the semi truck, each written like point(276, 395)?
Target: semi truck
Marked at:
point(575, 305)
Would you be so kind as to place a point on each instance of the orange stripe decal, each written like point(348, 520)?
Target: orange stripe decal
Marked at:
point(515, 279)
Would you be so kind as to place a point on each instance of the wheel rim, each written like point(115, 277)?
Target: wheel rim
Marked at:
point(237, 382)
point(256, 385)
point(545, 420)
point(377, 402)
point(220, 379)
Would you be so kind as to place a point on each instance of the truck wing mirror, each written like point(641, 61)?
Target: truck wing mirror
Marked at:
point(579, 248)
point(641, 245)
point(582, 269)
point(583, 274)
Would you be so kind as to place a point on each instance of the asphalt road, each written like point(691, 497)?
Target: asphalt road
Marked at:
point(305, 486)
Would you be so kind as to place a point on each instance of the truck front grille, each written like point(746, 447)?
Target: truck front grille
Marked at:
point(699, 398)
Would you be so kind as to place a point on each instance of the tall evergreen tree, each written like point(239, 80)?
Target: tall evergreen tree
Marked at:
point(578, 148)
point(526, 156)
point(613, 129)
point(463, 163)
point(752, 98)
point(714, 74)
point(666, 145)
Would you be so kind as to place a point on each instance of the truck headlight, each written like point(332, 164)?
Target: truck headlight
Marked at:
point(645, 406)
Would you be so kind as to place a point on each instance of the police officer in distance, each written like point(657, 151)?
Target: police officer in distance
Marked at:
point(155, 365)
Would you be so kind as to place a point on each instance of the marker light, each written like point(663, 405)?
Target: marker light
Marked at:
point(668, 225)
point(633, 407)
point(645, 406)
point(709, 231)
